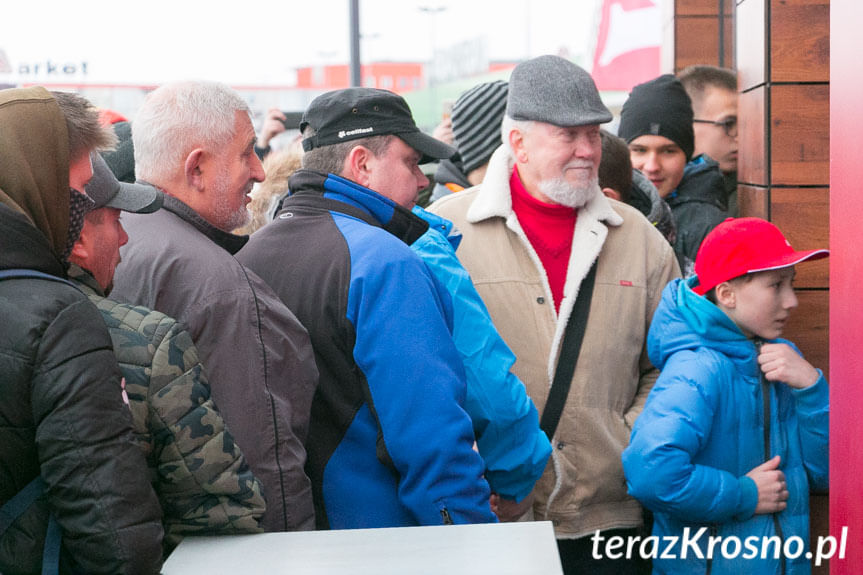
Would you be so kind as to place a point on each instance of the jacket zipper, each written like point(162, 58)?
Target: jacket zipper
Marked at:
point(445, 516)
point(765, 396)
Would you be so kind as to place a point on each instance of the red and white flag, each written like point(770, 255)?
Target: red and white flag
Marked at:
point(627, 47)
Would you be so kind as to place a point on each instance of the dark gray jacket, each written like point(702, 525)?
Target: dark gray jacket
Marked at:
point(62, 417)
point(698, 205)
point(259, 357)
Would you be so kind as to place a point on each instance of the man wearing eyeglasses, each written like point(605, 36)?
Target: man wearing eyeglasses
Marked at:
point(714, 101)
point(657, 123)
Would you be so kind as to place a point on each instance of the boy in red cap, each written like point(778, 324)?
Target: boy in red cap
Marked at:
point(735, 432)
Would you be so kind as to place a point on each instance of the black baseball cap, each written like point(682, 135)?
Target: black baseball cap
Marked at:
point(104, 189)
point(354, 113)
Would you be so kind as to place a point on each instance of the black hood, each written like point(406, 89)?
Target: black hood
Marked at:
point(702, 182)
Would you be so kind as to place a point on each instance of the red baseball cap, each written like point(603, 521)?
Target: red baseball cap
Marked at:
point(739, 246)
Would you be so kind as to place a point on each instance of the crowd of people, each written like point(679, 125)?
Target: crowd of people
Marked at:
point(576, 328)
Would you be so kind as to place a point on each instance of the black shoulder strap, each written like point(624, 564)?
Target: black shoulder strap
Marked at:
point(569, 350)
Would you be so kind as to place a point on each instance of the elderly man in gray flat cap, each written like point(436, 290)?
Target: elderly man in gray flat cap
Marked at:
point(538, 235)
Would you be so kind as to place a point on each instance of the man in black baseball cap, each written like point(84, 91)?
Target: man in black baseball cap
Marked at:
point(355, 113)
point(389, 444)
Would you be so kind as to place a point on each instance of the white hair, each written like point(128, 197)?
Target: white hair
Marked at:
point(508, 125)
point(177, 118)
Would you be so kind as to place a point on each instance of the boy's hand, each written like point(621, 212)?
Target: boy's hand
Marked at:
point(772, 489)
point(780, 362)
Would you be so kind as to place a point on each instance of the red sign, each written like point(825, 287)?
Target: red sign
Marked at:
point(627, 47)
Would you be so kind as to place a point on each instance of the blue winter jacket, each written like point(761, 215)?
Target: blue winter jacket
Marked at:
point(702, 430)
point(505, 420)
point(389, 443)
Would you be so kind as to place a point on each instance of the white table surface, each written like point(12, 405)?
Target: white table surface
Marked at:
point(524, 548)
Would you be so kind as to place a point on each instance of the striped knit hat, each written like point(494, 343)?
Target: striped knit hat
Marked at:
point(476, 120)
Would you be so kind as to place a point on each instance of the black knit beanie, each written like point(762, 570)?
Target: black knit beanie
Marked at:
point(659, 107)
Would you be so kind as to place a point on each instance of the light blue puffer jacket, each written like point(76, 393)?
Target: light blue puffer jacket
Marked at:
point(702, 430)
point(504, 418)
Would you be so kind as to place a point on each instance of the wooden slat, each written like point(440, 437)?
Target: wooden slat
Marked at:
point(750, 40)
point(800, 38)
point(808, 328)
point(803, 216)
point(751, 154)
point(696, 41)
point(697, 7)
point(800, 134)
point(752, 201)
point(729, 40)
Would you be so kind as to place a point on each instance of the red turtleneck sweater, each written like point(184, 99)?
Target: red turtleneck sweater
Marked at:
point(549, 228)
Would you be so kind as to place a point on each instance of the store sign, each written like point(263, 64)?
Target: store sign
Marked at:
point(42, 69)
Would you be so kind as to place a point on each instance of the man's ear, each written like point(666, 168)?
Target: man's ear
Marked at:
point(516, 142)
point(80, 250)
point(192, 169)
point(611, 193)
point(357, 165)
point(726, 296)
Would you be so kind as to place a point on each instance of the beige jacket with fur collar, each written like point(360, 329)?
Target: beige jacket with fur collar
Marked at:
point(583, 487)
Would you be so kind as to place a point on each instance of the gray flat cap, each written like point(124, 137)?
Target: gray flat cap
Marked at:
point(553, 90)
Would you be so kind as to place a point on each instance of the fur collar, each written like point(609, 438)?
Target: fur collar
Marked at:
point(493, 198)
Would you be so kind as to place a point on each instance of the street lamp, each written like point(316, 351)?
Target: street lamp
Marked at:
point(432, 11)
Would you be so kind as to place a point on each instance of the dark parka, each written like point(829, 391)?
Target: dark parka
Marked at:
point(62, 414)
point(698, 205)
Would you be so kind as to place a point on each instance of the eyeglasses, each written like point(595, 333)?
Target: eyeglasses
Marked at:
point(728, 125)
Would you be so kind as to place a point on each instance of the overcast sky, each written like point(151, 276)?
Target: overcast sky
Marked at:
point(263, 41)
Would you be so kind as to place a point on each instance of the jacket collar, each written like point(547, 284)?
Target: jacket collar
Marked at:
point(22, 245)
point(332, 192)
point(85, 280)
point(494, 199)
point(229, 242)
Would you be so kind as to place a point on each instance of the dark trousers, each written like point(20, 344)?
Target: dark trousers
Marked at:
point(576, 556)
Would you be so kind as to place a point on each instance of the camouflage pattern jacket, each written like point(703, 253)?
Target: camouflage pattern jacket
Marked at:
point(202, 479)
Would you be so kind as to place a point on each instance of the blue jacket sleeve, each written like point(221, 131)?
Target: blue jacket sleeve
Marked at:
point(416, 381)
point(506, 422)
point(659, 461)
point(813, 413)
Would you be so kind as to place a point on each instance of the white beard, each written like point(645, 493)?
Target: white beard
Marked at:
point(562, 192)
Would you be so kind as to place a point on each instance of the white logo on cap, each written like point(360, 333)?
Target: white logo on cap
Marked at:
point(343, 133)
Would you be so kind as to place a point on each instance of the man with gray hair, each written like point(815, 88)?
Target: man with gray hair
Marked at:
point(195, 142)
point(537, 234)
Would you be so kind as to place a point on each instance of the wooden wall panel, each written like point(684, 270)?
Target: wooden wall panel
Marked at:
point(696, 41)
point(697, 7)
point(751, 43)
point(800, 41)
point(752, 201)
point(808, 327)
point(751, 158)
point(728, 38)
point(800, 134)
point(803, 216)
